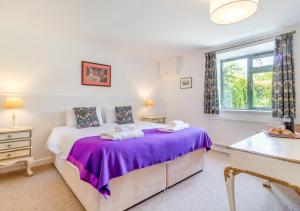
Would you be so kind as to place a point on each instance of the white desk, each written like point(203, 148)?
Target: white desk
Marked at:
point(272, 159)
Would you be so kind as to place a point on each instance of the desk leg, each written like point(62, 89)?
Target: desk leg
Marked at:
point(28, 166)
point(267, 184)
point(229, 180)
point(230, 172)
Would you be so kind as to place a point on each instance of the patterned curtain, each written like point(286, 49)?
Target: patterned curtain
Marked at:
point(283, 92)
point(211, 98)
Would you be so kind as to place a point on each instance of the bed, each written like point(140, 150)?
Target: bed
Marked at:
point(130, 188)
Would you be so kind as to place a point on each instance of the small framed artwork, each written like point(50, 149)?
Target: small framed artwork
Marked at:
point(186, 83)
point(94, 74)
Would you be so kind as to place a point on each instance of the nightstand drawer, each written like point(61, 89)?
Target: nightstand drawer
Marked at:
point(13, 145)
point(14, 154)
point(17, 135)
point(161, 120)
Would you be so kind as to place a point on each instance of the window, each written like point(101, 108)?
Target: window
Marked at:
point(246, 82)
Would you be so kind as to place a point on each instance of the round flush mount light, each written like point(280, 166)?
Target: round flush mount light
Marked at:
point(231, 11)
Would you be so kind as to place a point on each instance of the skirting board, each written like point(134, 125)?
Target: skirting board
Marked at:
point(220, 148)
point(21, 165)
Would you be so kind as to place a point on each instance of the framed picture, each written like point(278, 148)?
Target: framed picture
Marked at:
point(94, 74)
point(186, 83)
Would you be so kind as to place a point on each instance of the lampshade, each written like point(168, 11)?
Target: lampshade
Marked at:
point(231, 11)
point(13, 102)
point(149, 103)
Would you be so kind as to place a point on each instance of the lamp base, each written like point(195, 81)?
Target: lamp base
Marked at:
point(150, 111)
point(13, 116)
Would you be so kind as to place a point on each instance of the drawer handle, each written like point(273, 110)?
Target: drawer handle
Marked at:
point(8, 145)
point(9, 136)
point(8, 155)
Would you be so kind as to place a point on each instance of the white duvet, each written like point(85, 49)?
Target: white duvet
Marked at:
point(62, 139)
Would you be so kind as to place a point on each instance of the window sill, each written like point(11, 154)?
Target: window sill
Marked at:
point(255, 112)
point(255, 116)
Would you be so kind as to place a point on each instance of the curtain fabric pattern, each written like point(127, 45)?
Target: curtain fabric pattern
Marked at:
point(283, 90)
point(211, 98)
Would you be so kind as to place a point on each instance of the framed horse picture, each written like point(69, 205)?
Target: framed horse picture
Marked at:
point(94, 74)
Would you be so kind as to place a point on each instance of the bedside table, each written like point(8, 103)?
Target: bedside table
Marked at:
point(155, 119)
point(297, 128)
point(15, 146)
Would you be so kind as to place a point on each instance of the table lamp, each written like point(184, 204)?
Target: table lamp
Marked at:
point(149, 103)
point(13, 103)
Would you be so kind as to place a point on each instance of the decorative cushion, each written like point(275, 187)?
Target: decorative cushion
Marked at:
point(71, 120)
point(124, 114)
point(86, 117)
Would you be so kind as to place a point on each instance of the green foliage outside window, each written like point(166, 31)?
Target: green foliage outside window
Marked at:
point(244, 86)
point(234, 86)
point(262, 89)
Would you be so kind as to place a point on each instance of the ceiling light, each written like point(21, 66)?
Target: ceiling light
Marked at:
point(231, 11)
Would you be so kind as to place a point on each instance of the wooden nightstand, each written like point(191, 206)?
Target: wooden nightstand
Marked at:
point(297, 128)
point(15, 146)
point(155, 119)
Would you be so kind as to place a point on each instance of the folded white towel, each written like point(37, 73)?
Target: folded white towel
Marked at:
point(115, 136)
point(123, 128)
point(168, 128)
point(175, 123)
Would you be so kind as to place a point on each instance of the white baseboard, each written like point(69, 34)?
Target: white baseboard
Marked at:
point(20, 166)
point(220, 148)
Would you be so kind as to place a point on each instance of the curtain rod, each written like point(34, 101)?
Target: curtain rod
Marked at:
point(252, 42)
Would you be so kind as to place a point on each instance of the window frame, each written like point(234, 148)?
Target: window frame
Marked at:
point(250, 71)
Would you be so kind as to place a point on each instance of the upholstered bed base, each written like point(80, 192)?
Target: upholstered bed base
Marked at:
point(185, 166)
point(133, 187)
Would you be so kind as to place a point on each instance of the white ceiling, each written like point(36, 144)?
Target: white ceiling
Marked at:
point(156, 29)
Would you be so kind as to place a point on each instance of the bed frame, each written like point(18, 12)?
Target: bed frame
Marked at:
point(134, 187)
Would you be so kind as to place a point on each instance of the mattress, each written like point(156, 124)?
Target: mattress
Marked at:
point(61, 139)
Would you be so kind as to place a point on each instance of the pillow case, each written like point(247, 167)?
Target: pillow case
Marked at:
point(71, 118)
point(110, 114)
point(86, 117)
point(124, 114)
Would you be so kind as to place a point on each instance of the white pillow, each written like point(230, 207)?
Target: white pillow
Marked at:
point(110, 114)
point(71, 118)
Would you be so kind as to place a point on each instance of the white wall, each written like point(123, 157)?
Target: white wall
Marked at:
point(46, 70)
point(187, 104)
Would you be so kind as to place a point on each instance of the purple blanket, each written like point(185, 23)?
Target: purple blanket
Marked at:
point(100, 160)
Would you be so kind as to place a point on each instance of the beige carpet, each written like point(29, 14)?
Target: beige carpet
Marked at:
point(46, 190)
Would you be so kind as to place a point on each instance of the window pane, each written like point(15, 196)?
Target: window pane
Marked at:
point(234, 84)
point(262, 89)
point(262, 61)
